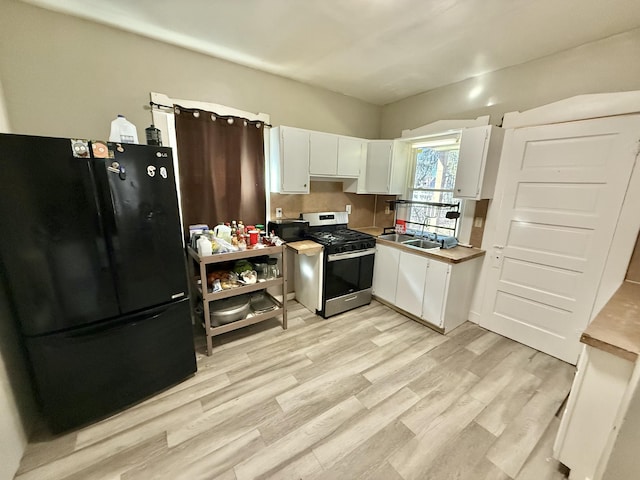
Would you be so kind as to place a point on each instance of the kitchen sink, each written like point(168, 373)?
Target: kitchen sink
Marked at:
point(422, 243)
point(396, 237)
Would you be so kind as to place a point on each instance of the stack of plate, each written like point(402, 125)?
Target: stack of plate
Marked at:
point(262, 302)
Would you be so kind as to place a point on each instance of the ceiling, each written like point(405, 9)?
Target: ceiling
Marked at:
point(379, 51)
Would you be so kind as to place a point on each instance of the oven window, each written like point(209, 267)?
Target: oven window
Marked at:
point(348, 275)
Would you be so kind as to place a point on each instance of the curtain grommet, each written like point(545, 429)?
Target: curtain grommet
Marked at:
point(177, 111)
point(230, 121)
point(196, 114)
point(213, 117)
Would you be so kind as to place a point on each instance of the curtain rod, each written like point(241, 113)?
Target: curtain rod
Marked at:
point(171, 107)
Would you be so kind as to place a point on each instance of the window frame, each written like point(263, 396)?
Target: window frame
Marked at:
point(410, 188)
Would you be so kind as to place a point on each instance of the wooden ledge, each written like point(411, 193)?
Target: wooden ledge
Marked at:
point(616, 329)
point(305, 247)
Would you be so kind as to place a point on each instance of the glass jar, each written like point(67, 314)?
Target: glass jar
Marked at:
point(261, 270)
point(272, 268)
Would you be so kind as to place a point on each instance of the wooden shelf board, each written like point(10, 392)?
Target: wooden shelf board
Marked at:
point(247, 321)
point(226, 257)
point(232, 292)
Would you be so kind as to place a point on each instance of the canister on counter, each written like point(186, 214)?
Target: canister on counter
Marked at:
point(253, 237)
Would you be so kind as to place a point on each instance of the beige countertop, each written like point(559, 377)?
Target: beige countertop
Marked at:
point(305, 247)
point(375, 231)
point(448, 255)
point(616, 329)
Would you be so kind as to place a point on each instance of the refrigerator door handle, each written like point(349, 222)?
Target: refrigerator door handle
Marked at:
point(115, 241)
point(101, 241)
point(108, 209)
point(109, 327)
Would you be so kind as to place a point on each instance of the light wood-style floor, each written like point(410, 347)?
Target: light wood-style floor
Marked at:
point(367, 394)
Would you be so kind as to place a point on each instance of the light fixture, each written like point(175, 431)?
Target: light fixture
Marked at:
point(436, 143)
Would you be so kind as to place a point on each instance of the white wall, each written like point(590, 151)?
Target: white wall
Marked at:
point(609, 65)
point(16, 405)
point(65, 76)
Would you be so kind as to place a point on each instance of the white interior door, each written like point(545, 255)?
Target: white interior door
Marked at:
point(561, 189)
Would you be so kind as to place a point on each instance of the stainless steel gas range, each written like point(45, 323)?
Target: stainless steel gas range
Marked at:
point(347, 267)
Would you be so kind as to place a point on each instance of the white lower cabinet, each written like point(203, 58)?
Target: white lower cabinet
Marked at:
point(592, 410)
point(435, 291)
point(412, 273)
point(385, 273)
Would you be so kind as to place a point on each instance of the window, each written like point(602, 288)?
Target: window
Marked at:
point(434, 166)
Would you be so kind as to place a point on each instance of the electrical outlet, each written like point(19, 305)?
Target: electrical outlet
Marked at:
point(278, 213)
point(477, 222)
point(387, 210)
point(348, 209)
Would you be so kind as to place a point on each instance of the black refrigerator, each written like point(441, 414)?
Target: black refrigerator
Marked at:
point(92, 257)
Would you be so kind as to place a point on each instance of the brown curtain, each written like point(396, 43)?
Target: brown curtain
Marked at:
point(221, 161)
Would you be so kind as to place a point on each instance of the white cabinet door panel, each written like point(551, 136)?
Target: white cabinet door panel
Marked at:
point(349, 156)
point(385, 273)
point(412, 273)
point(478, 160)
point(378, 166)
point(473, 142)
point(294, 163)
point(323, 154)
point(436, 287)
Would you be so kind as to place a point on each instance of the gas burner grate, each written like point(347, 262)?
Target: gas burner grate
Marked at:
point(338, 236)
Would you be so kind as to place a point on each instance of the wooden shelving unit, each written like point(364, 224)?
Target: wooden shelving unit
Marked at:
point(205, 297)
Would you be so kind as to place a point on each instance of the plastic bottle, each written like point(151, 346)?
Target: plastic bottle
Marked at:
point(154, 137)
point(223, 232)
point(204, 246)
point(123, 131)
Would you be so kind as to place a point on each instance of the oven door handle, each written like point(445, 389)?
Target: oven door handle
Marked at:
point(345, 256)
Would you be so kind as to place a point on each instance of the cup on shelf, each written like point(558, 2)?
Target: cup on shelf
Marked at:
point(253, 237)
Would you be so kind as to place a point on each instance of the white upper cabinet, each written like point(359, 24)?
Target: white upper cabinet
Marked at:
point(386, 167)
point(335, 156)
point(480, 149)
point(289, 160)
point(351, 153)
point(323, 154)
point(379, 154)
point(365, 166)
